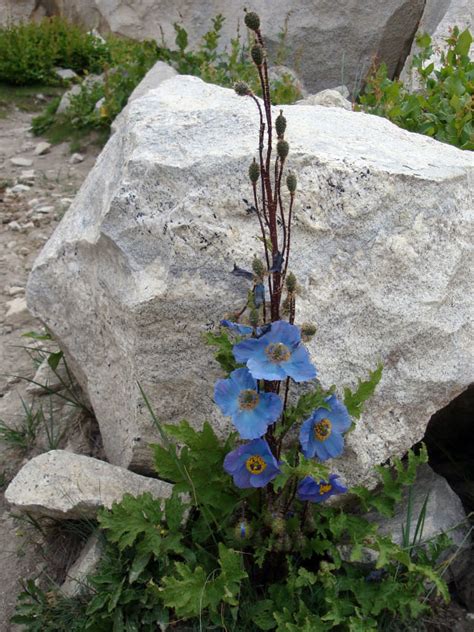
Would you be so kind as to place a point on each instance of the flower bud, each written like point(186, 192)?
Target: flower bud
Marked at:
point(282, 149)
point(307, 331)
point(243, 530)
point(280, 125)
point(242, 89)
point(291, 182)
point(254, 171)
point(257, 54)
point(252, 21)
point(291, 282)
point(258, 267)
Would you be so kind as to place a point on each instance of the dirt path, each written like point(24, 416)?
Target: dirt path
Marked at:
point(33, 198)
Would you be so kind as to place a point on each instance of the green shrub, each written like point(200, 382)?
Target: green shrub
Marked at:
point(29, 52)
point(443, 107)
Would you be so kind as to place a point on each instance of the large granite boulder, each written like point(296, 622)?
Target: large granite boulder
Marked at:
point(140, 266)
point(327, 41)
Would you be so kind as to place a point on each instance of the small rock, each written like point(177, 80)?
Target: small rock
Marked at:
point(328, 99)
point(66, 74)
point(14, 226)
point(40, 97)
point(25, 251)
point(21, 162)
point(20, 188)
point(44, 209)
point(28, 225)
point(15, 290)
point(83, 567)
point(344, 90)
point(68, 486)
point(17, 311)
point(27, 176)
point(42, 148)
point(75, 159)
point(99, 104)
point(53, 380)
point(66, 201)
point(11, 245)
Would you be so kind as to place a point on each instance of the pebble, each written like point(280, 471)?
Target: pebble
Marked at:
point(27, 176)
point(21, 162)
point(42, 148)
point(20, 188)
point(14, 226)
point(25, 251)
point(16, 289)
point(65, 73)
point(44, 209)
point(11, 245)
point(76, 158)
point(66, 201)
point(27, 226)
point(17, 311)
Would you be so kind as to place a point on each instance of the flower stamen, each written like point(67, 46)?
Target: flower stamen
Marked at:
point(278, 352)
point(255, 464)
point(322, 430)
point(324, 488)
point(248, 399)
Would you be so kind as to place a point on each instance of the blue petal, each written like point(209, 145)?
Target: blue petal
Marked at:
point(331, 448)
point(250, 424)
point(306, 432)
point(338, 415)
point(284, 332)
point(243, 379)
point(270, 407)
point(226, 394)
point(244, 350)
point(299, 366)
point(242, 479)
point(262, 369)
point(240, 329)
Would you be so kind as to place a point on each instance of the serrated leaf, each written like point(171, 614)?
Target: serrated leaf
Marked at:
point(354, 401)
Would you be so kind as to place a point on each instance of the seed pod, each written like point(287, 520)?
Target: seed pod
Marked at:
point(282, 149)
point(291, 282)
point(291, 182)
point(280, 125)
point(254, 171)
point(242, 89)
point(279, 526)
point(307, 331)
point(257, 54)
point(252, 21)
point(258, 267)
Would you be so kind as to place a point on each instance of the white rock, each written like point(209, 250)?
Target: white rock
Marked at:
point(64, 485)
point(328, 99)
point(42, 148)
point(15, 290)
point(76, 159)
point(21, 162)
point(85, 565)
point(44, 209)
point(141, 264)
point(46, 377)
point(17, 312)
point(99, 104)
point(27, 176)
point(14, 225)
point(88, 83)
point(66, 74)
point(27, 226)
point(154, 77)
point(20, 188)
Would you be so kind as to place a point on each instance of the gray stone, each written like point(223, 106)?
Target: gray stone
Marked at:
point(17, 311)
point(141, 265)
point(19, 188)
point(21, 162)
point(328, 99)
point(66, 74)
point(14, 225)
point(46, 377)
point(42, 148)
point(444, 514)
point(76, 158)
point(76, 89)
point(83, 567)
point(153, 78)
point(283, 74)
point(63, 485)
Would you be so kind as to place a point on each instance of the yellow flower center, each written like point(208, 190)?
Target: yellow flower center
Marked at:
point(322, 430)
point(255, 464)
point(324, 488)
point(248, 399)
point(278, 352)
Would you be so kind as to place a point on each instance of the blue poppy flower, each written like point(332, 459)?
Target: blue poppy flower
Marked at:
point(321, 434)
point(252, 412)
point(237, 327)
point(276, 355)
point(252, 464)
point(316, 492)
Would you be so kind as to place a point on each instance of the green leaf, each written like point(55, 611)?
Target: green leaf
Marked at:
point(224, 354)
point(303, 408)
point(354, 401)
point(261, 614)
point(54, 359)
point(463, 44)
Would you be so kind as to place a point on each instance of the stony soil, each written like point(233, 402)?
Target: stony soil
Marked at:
point(33, 199)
